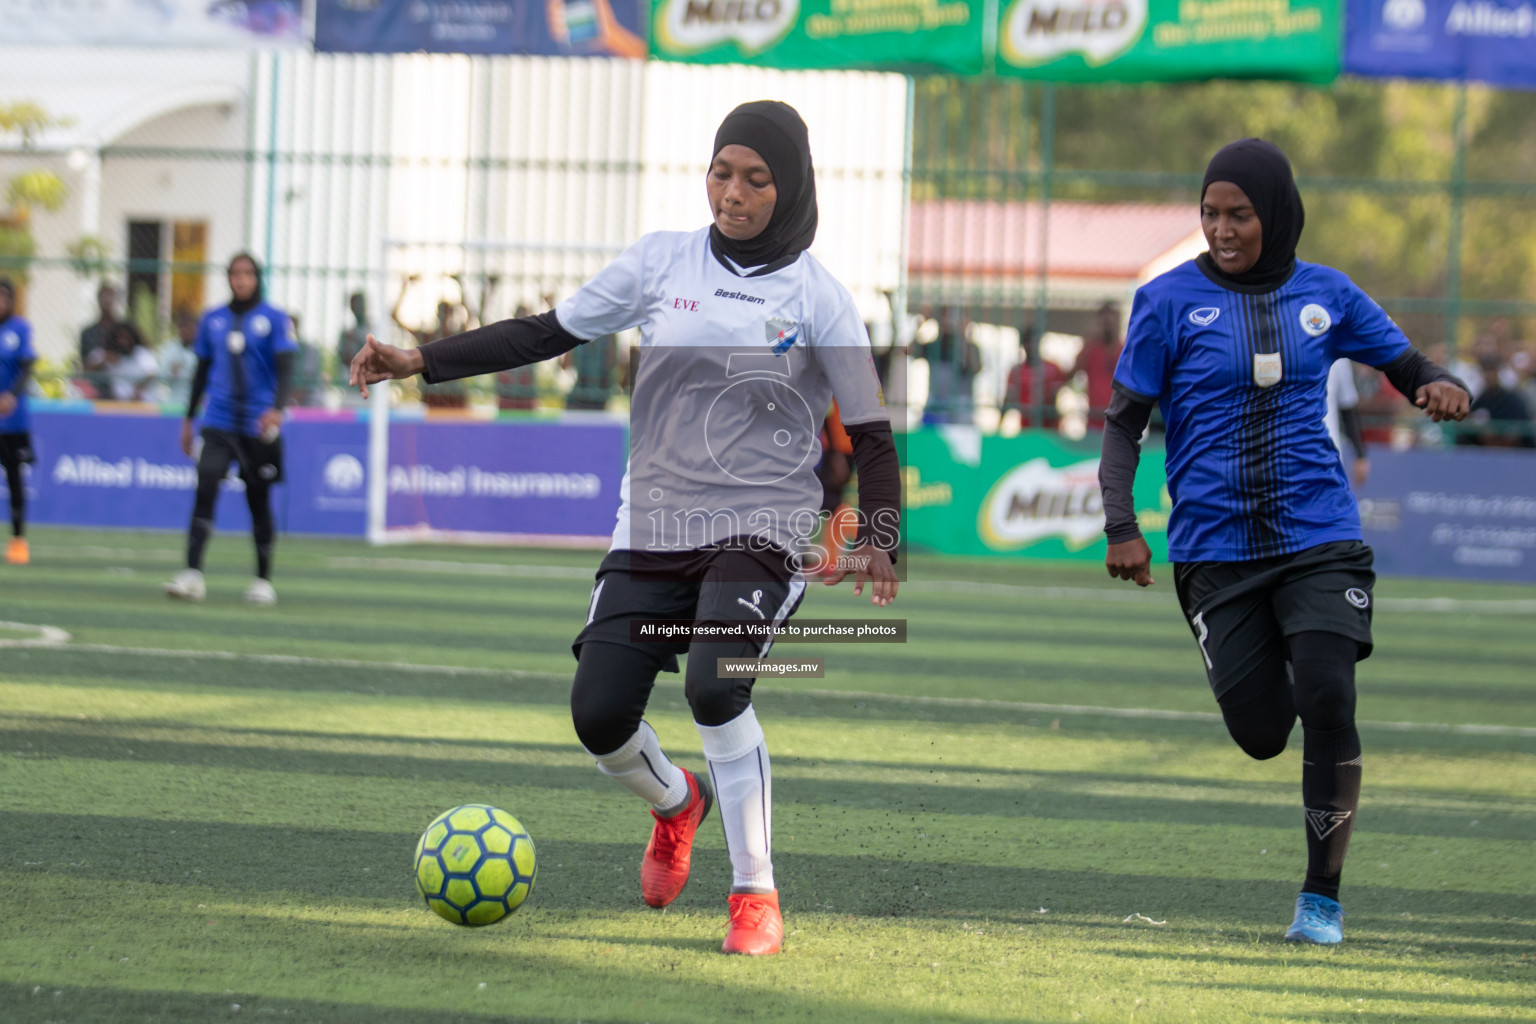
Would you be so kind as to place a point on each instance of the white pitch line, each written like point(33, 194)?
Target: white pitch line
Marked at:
point(519, 570)
point(47, 636)
point(883, 698)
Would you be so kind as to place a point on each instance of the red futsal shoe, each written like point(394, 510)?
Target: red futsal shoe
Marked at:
point(664, 869)
point(756, 927)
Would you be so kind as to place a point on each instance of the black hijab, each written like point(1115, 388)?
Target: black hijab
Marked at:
point(776, 132)
point(1261, 170)
point(238, 306)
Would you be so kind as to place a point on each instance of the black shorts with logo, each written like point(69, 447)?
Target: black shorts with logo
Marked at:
point(707, 585)
point(260, 461)
point(16, 450)
point(1242, 612)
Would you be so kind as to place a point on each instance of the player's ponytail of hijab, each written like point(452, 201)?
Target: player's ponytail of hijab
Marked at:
point(1261, 170)
point(775, 131)
point(242, 306)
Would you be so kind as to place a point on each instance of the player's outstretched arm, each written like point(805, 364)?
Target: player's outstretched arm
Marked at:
point(376, 362)
point(1128, 558)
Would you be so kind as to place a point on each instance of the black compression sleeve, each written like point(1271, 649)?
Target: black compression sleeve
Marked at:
point(1349, 426)
point(199, 385)
point(1412, 370)
point(23, 372)
point(284, 362)
point(874, 454)
point(500, 346)
point(1124, 422)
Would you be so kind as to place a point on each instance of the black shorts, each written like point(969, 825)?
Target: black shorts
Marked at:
point(1242, 612)
point(708, 585)
point(260, 461)
point(16, 450)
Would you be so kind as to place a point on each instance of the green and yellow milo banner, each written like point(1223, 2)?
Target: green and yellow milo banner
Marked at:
point(1035, 496)
point(1142, 40)
point(883, 35)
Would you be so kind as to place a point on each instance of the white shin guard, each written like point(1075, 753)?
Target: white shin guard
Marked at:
point(738, 765)
point(640, 767)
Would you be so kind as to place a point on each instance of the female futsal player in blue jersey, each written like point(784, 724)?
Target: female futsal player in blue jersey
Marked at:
point(1269, 565)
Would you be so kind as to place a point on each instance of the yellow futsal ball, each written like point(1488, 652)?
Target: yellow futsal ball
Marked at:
point(475, 864)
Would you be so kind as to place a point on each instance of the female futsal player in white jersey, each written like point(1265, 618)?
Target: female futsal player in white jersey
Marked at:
point(746, 340)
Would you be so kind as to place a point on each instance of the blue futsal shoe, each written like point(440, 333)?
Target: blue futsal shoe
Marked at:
point(1318, 920)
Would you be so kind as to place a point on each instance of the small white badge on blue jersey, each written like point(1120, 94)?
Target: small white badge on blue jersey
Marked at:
point(235, 342)
point(260, 325)
point(1315, 319)
point(1204, 316)
point(10, 341)
point(1266, 369)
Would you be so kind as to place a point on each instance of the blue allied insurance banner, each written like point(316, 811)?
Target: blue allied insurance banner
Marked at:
point(556, 28)
point(1491, 41)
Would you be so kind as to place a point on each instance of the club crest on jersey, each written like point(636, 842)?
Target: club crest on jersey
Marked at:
point(1204, 316)
point(1315, 319)
point(781, 333)
point(260, 325)
point(1266, 369)
point(10, 341)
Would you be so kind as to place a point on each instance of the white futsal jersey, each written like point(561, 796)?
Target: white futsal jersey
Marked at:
point(736, 374)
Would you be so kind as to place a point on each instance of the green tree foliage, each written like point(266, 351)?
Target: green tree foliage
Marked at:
point(1374, 160)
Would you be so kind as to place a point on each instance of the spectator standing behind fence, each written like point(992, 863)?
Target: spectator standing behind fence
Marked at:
point(1499, 417)
point(178, 362)
point(352, 338)
point(131, 366)
point(595, 364)
point(245, 364)
point(16, 359)
point(1019, 392)
point(437, 396)
point(1096, 362)
point(953, 363)
point(518, 388)
point(93, 337)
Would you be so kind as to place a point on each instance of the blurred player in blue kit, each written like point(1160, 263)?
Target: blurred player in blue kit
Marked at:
point(16, 359)
point(1270, 569)
point(245, 368)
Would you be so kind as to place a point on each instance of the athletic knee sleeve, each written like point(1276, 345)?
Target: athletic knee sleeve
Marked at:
point(608, 697)
point(1324, 665)
point(716, 701)
point(207, 494)
point(1259, 711)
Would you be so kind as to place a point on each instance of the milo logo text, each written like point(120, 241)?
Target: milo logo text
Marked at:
point(1035, 31)
point(689, 26)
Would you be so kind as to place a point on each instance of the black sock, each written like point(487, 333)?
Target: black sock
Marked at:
point(259, 499)
point(1330, 791)
point(197, 539)
point(18, 500)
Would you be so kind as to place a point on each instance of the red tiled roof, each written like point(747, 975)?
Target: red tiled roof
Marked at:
point(991, 239)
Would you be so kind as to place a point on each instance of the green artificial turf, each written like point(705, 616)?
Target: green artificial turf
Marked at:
point(207, 813)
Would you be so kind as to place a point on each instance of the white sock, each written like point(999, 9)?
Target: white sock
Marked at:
point(738, 764)
point(640, 767)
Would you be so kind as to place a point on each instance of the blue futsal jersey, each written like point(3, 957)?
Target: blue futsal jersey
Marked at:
point(15, 349)
point(242, 382)
point(1241, 380)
